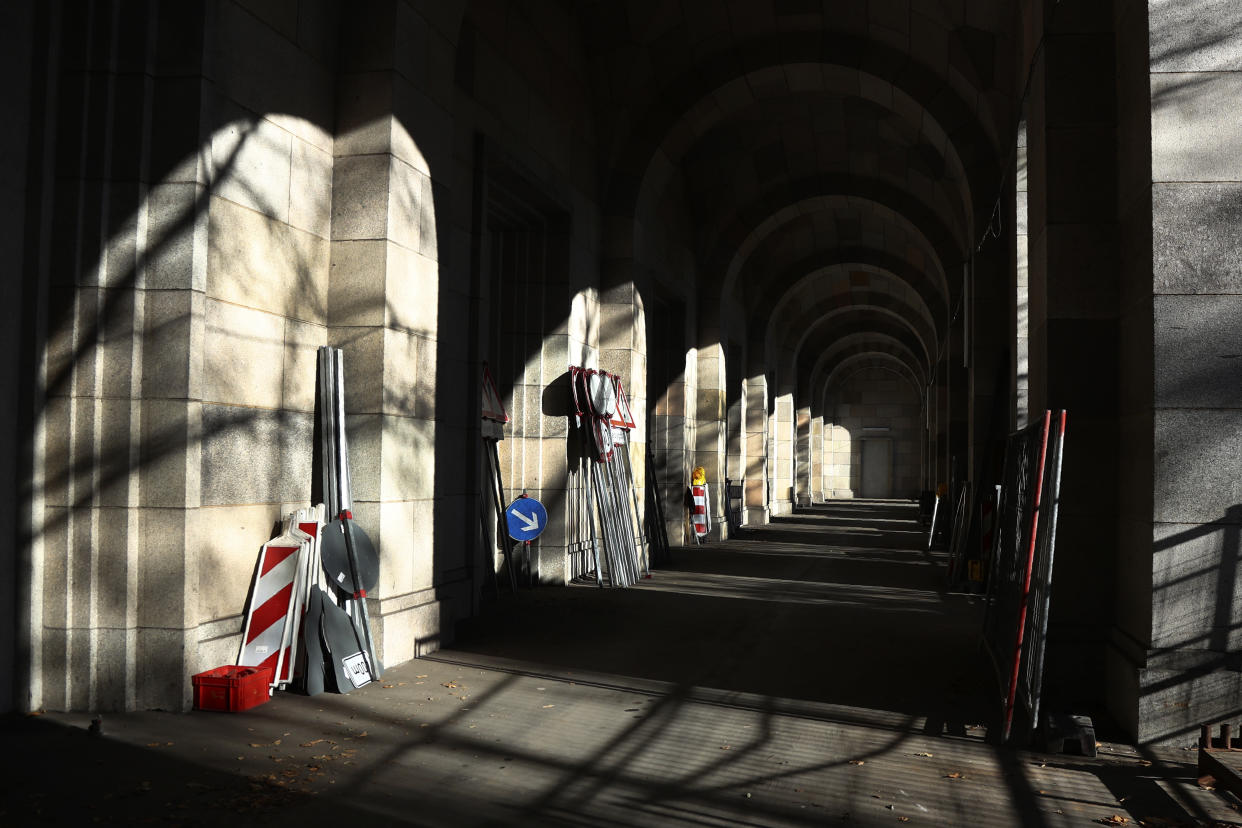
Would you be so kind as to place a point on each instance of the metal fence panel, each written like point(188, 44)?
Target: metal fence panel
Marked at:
point(1032, 667)
point(1012, 554)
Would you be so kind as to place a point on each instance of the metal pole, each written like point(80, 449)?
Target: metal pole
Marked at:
point(626, 520)
point(345, 489)
point(616, 516)
point(629, 479)
point(327, 436)
point(616, 570)
point(500, 511)
point(598, 540)
point(587, 477)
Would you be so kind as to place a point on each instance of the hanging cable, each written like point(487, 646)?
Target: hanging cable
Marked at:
point(995, 222)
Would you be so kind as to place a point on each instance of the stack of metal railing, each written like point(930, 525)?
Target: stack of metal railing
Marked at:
point(340, 649)
point(582, 546)
point(606, 505)
point(1015, 621)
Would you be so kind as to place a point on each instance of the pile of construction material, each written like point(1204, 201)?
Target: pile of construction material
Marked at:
point(610, 509)
point(307, 619)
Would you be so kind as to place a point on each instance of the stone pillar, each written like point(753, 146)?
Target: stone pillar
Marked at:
point(17, 41)
point(991, 345)
point(116, 454)
point(1179, 607)
point(940, 424)
point(802, 456)
point(817, 460)
point(560, 348)
point(385, 308)
point(710, 431)
point(756, 485)
point(1073, 329)
point(959, 404)
point(1020, 351)
point(666, 358)
point(186, 285)
point(736, 423)
point(781, 469)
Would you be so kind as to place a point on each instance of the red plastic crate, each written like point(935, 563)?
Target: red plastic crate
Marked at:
point(232, 688)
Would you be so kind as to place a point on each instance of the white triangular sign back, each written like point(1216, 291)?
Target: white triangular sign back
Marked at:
point(622, 416)
point(493, 408)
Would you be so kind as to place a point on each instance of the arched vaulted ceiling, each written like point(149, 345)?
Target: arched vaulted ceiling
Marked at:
point(825, 291)
point(855, 348)
point(857, 330)
point(808, 141)
point(836, 231)
point(822, 392)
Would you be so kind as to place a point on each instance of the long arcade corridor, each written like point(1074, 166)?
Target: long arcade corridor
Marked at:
point(839, 604)
point(808, 672)
point(828, 249)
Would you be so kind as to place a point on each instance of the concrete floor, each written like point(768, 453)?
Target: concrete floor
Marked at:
point(811, 672)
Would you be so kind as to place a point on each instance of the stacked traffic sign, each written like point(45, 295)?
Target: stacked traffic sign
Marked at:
point(605, 424)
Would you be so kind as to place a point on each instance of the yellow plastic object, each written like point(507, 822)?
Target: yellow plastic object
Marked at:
point(699, 477)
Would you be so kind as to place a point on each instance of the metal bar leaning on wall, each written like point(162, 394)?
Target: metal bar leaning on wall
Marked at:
point(1019, 581)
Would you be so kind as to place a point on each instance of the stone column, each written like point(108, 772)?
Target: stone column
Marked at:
point(117, 462)
point(17, 44)
point(782, 454)
point(991, 345)
point(756, 485)
point(710, 430)
point(386, 309)
point(802, 456)
point(665, 361)
point(186, 285)
point(736, 424)
point(1179, 608)
point(1071, 174)
point(1020, 298)
point(817, 460)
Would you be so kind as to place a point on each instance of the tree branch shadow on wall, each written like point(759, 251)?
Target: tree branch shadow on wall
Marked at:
point(1202, 602)
point(1197, 596)
point(91, 330)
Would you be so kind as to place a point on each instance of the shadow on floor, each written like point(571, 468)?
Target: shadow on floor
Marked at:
point(795, 609)
point(820, 677)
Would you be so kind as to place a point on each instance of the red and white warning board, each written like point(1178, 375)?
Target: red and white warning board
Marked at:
point(267, 638)
point(699, 516)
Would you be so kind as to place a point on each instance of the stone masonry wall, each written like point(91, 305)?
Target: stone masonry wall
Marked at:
point(878, 399)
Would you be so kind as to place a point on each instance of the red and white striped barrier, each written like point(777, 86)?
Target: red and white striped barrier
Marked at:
point(699, 516)
point(276, 602)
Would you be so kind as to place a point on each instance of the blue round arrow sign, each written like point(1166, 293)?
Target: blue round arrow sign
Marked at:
point(526, 518)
